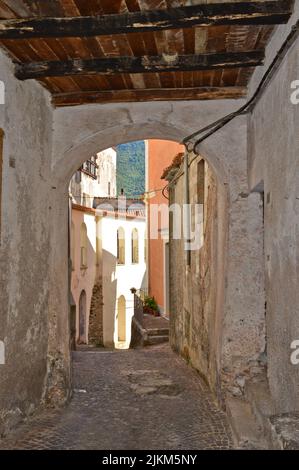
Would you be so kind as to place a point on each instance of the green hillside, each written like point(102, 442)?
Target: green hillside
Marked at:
point(131, 168)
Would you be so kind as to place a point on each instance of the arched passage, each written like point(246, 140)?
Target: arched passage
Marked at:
point(76, 139)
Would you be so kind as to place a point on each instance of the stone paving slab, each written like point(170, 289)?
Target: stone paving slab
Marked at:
point(125, 400)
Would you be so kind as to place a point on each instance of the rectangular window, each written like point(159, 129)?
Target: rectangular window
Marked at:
point(89, 168)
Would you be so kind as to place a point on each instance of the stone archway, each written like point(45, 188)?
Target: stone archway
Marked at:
point(90, 129)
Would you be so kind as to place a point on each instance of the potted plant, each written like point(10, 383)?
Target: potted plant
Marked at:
point(150, 306)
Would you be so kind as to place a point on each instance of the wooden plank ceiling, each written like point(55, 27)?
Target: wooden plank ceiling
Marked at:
point(209, 61)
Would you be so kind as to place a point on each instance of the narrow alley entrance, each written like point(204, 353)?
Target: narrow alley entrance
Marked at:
point(137, 399)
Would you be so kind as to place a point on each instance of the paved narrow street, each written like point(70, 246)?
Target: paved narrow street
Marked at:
point(137, 399)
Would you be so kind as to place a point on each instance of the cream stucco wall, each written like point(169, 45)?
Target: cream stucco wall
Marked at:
point(83, 278)
point(119, 279)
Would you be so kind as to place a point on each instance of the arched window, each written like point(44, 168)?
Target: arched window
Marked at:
point(121, 251)
point(135, 248)
point(72, 250)
point(121, 318)
point(82, 318)
point(83, 245)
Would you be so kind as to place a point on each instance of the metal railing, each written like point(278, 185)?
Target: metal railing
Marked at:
point(139, 296)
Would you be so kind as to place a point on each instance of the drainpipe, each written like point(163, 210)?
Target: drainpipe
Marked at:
point(186, 209)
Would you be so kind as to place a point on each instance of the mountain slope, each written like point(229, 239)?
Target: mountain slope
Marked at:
point(131, 168)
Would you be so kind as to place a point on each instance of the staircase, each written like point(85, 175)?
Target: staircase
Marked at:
point(157, 330)
point(157, 336)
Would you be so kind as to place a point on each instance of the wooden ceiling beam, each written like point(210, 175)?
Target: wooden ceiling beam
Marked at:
point(241, 13)
point(144, 64)
point(139, 95)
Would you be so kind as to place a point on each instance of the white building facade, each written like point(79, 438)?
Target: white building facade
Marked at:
point(124, 268)
point(108, 251)
point(84, 261)
point(95, 178)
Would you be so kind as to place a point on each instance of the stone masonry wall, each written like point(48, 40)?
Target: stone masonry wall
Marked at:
point(217, 303)
point(95, 335)
point(193, 304)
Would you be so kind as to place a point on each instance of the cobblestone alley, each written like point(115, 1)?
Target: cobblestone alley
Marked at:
point(137, 399)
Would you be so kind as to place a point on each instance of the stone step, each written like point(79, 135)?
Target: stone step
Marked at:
point(158, 332)
point(259, 397)
point(285, 431)
point(156, 340)
point(246, 431)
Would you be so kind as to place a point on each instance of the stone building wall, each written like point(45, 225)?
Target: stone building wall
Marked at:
point(95, 332)
point(26, 119)
point(273, 162)
point(193, 304)
point(217, 320)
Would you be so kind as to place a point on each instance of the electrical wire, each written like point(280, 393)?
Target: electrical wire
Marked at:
point(136, 196)
point(177, 176)
point(249, 106)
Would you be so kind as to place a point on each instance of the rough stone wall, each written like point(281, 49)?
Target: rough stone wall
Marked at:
point(217, 313)
point(193, 304)
point(95, 335)
point(274, 166)
point(26, 119)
